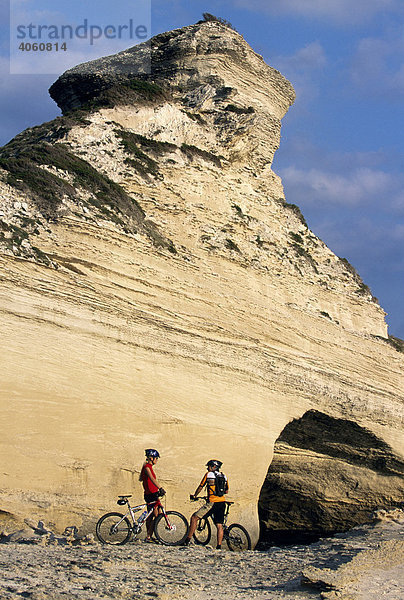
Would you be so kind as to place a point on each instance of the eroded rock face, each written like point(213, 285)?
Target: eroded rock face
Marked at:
point(327, 475)
point(209, 72)
point(159, 291)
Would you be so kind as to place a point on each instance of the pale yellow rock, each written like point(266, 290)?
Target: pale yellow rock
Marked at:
point(206, 353)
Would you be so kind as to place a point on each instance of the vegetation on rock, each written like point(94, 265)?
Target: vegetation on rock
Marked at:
point(27, 160)
point(294, 208)
point(208, 17)
point(132, 91)
point(232, 245)
point(191, 151)
point(140, 161)
point(240, 110)
point(94, 93)
point(26, 173)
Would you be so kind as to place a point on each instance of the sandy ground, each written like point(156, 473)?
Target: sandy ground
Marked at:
point(363, 564)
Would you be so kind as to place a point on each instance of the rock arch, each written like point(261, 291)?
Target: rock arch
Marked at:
point(327, 475)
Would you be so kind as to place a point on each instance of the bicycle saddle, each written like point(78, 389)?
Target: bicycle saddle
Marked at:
point(123, 499)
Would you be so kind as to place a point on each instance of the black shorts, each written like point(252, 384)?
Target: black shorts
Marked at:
point(150, 498)
point(217, 512)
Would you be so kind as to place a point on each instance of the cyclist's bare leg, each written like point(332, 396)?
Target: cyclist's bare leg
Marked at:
point(150, 523)
point(149, 526)
point(193, 525)
point(220, 532)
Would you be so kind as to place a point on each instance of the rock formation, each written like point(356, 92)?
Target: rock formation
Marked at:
point(159, 291)
point(327, 475)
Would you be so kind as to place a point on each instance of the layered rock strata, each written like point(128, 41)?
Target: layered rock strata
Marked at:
point(159, 291)
point(327, 475)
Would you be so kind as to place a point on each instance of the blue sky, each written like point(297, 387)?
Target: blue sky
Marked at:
point(341, 154)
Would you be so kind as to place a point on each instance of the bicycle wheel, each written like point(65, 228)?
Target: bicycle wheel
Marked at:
point(203, 532)
point(173, 531)
point(237, 538)
point(113, 528)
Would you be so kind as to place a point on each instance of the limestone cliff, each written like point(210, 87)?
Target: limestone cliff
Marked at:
point(158, 290)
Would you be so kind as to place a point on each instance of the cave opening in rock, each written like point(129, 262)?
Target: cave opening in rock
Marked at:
point(327, 475)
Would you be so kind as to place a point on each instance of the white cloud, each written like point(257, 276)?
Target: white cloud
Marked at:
point(377, 66)
point(308, 58)
point(341, 12)
point(316, 186)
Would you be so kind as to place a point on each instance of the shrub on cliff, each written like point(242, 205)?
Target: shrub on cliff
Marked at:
point(208, 17)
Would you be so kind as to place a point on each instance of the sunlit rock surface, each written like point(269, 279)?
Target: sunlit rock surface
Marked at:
point(159, 291)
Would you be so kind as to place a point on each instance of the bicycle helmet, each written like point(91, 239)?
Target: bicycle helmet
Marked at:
point(214, 463)
point(150, 452)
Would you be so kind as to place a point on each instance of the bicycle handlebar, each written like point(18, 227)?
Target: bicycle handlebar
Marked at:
point(194, 499)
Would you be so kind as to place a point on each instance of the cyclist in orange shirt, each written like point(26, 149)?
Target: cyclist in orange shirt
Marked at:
point(215, 501)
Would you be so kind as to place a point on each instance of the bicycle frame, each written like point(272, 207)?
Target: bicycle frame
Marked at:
point(226, 514)
point(138, 523)
point(235, 535)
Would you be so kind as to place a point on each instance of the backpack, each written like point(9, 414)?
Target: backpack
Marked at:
point(220, 484)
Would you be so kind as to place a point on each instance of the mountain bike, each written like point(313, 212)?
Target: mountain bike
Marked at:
point(235, 535)
point(170, 527)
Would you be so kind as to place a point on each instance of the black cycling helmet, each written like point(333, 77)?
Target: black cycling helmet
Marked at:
point(214, 463)
point(150, 452)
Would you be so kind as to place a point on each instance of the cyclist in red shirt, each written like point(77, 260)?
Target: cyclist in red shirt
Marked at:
point(152, 489)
